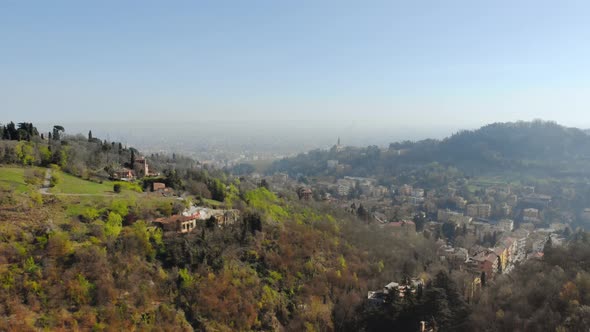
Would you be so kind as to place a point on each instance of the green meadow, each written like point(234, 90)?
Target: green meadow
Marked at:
point(69, 184)
point(13, 178)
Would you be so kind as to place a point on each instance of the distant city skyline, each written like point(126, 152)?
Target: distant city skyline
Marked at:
point(311, 65)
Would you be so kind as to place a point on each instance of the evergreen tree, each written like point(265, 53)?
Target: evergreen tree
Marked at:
point(362, 213)
point(57, 129)
point(548, 249)
point(11, 132)
point(419, 220)
point(448, 230)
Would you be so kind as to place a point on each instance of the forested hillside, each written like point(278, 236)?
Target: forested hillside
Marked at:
point(284, 265)
point(94, 261)
point(501, 147)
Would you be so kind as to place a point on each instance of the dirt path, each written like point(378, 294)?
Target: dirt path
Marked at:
point(46, 182)
point(78, 195)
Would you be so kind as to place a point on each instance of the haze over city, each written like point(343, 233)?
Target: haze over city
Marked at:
point(293, 74)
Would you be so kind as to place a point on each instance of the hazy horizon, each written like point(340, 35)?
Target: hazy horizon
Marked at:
point(315, 66)
point(203, 138)
point(246, 136)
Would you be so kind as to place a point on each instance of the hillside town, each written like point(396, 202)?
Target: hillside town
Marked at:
point(483, 228)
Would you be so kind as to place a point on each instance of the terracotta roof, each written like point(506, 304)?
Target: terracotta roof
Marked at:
point(173, 219)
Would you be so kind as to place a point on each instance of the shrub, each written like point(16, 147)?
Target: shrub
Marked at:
point(55, 179)
point(117, 188)
point(113, 225)
point(89, 214)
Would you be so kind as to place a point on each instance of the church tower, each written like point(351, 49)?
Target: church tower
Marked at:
point(338, 146)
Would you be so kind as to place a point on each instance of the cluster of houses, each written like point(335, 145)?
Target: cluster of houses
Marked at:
point(187, 221)
point(366, 187)
point(399, 289)
point(414, 196)
point(513, 218)
point(512, 248)
point(493, 206)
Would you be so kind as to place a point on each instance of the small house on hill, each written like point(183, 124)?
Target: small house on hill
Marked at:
point(159, 186)
point(187, 221)
point(124, 174)
point(177, 223)
point(142, 168)
point(404, 226)
point(409, 286)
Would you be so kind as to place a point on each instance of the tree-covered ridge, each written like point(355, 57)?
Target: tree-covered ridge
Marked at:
point(537, 145)
point(520, 141)
point(79, 155)
point(95, 159)
point(19, 132)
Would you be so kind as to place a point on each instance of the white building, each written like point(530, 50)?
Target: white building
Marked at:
point(506, 225)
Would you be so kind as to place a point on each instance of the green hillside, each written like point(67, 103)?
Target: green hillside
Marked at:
point(69, 184)
point(13, 178)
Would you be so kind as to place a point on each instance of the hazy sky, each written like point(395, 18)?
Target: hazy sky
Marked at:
point(307, 64)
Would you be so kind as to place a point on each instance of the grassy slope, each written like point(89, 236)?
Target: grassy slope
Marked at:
point(73, 185)
point(77, 204)
point(70, 184)
point(13, 177)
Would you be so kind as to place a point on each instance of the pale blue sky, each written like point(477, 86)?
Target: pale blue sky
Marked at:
point(324, 63)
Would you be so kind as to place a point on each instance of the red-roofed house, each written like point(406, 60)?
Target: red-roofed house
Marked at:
point(177, 223)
